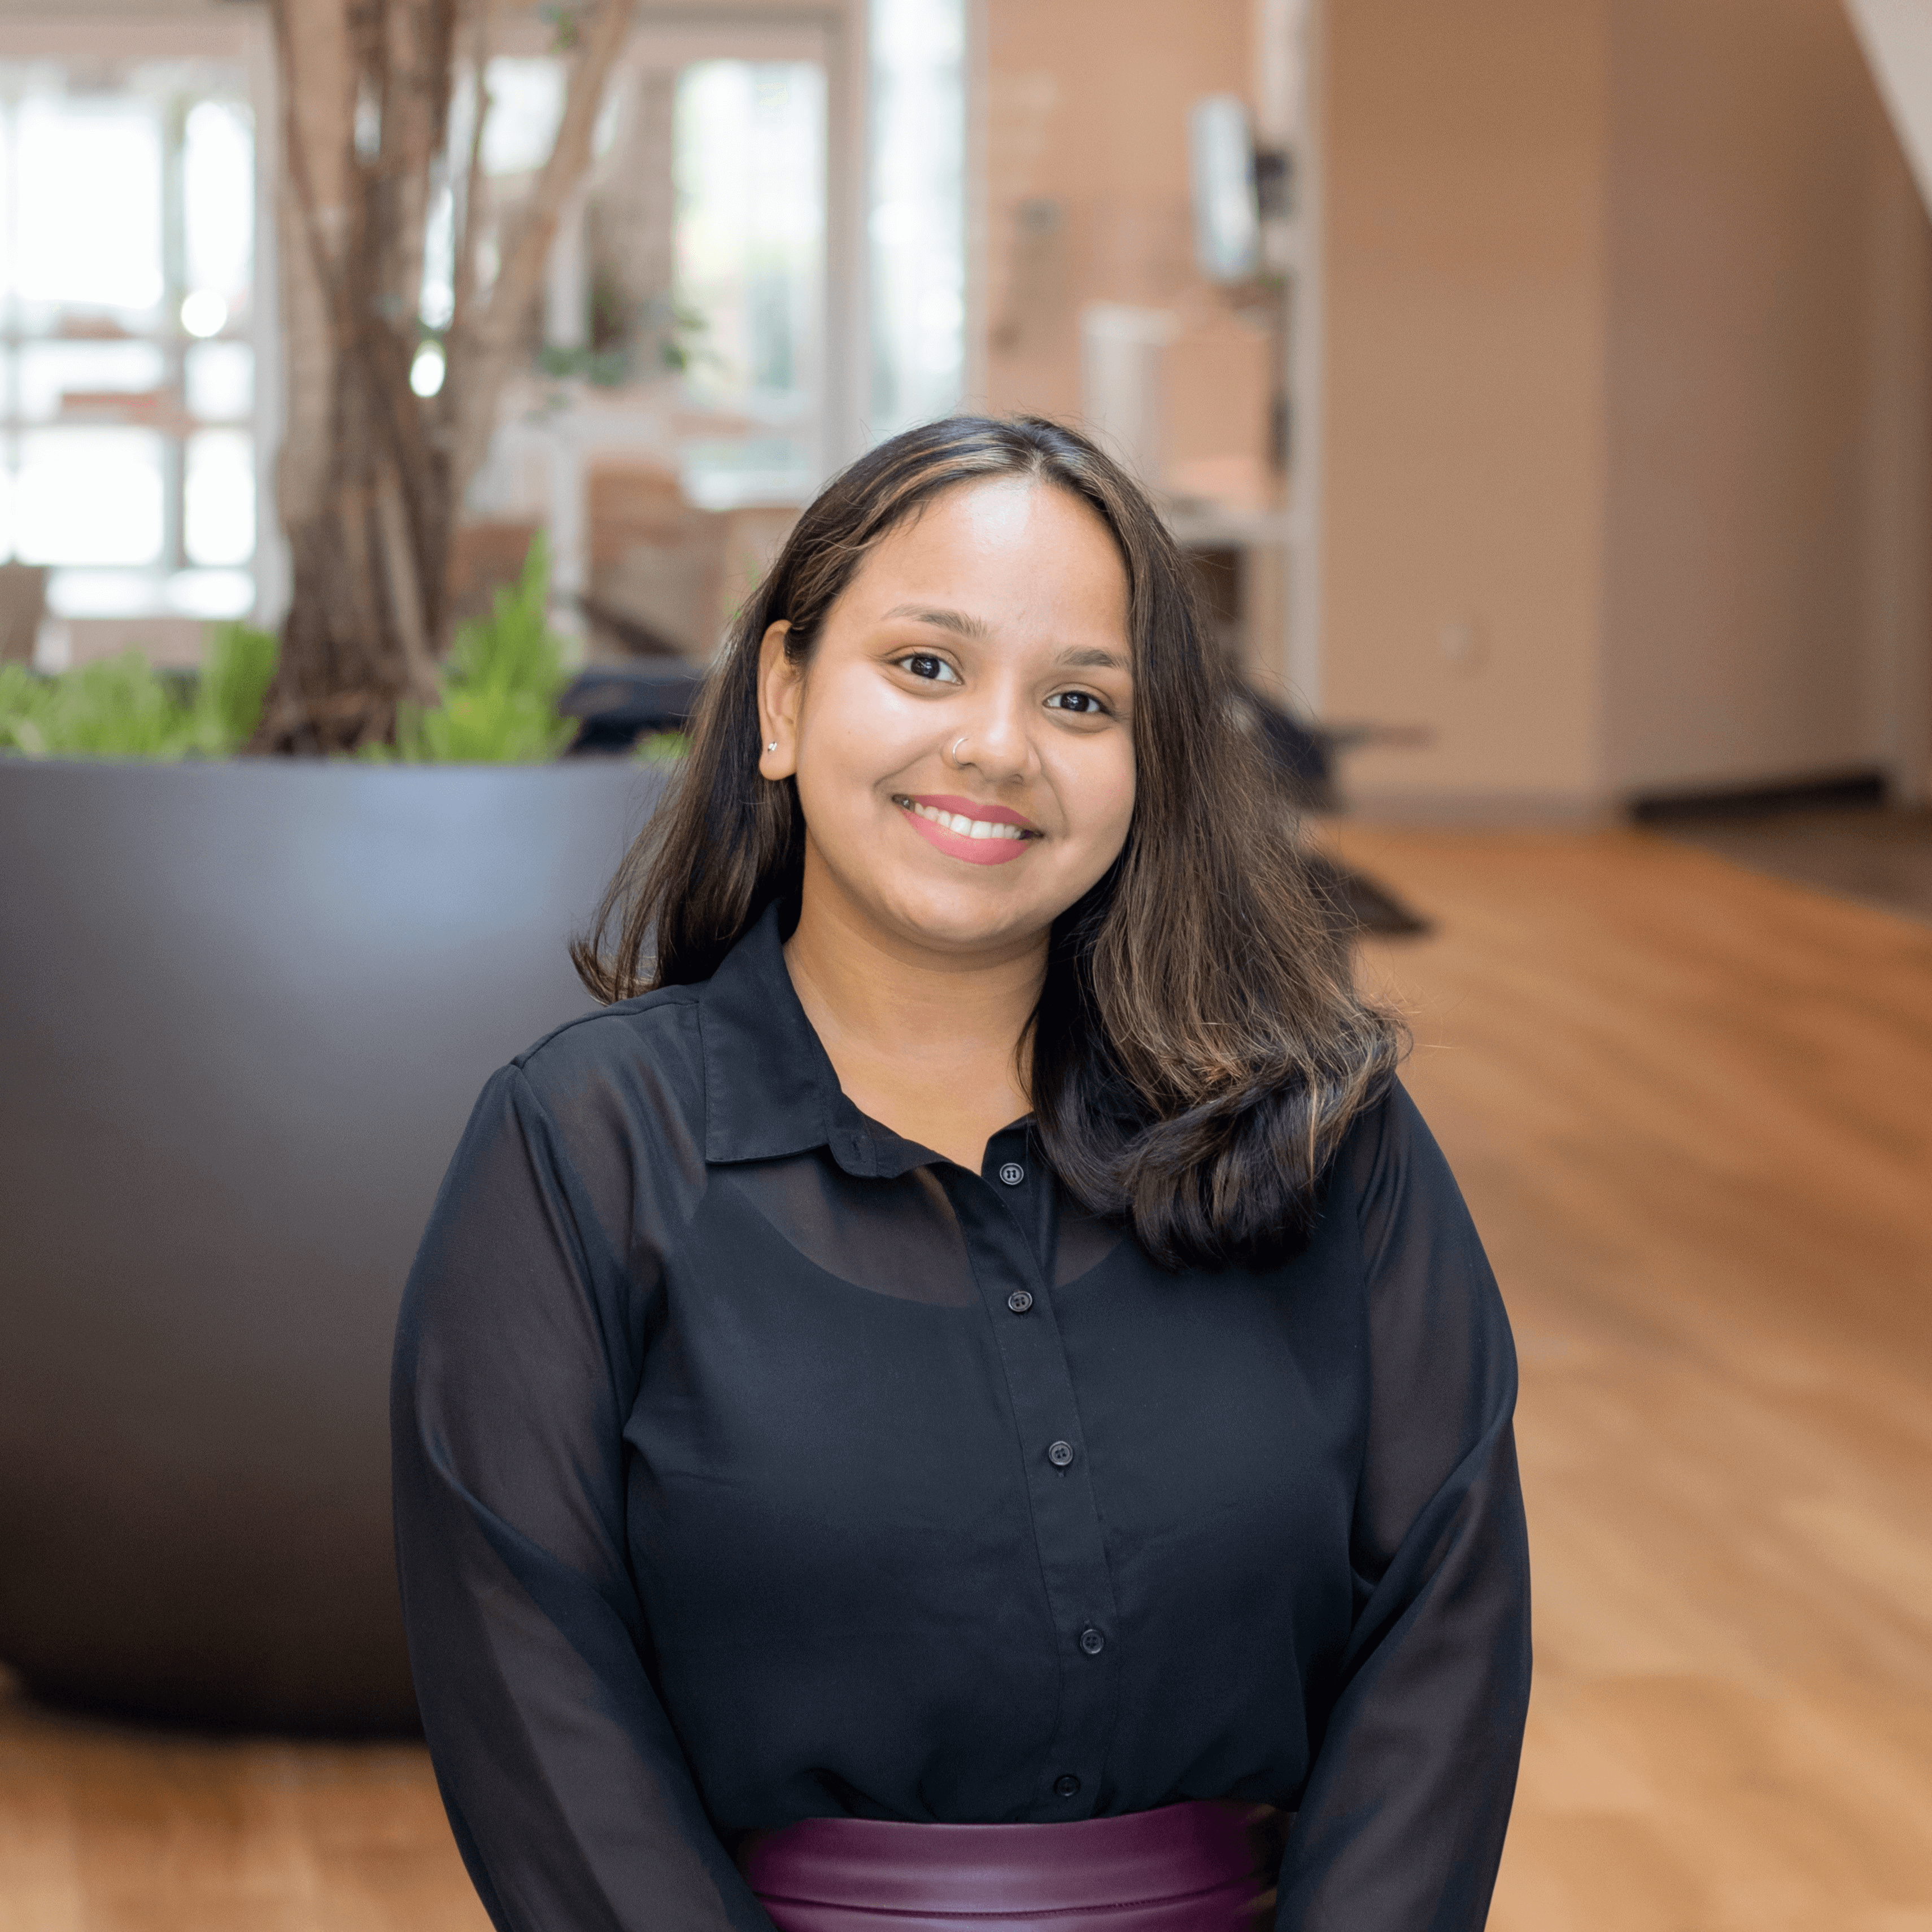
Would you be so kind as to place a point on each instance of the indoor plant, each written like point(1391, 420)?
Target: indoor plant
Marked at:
point(249, 999)
point(372, 473)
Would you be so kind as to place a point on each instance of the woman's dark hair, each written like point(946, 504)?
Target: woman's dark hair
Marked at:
point(1199, 1049)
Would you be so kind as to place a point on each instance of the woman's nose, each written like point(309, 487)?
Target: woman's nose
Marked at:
point(997, 743)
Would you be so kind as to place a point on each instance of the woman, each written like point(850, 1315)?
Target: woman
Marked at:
point(973, 1335)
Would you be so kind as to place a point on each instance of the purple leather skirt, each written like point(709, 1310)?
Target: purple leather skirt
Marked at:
point(1195, 1867)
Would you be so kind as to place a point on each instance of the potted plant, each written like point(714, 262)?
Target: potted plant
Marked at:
point(249, 999)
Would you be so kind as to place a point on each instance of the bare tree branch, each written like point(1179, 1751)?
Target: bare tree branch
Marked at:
point(487, 350)
point(295, 150)
point(383, 470)
point(469, 219)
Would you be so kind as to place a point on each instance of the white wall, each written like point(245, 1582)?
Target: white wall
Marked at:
point(1628, 361)
point(1464, 462)
point(1765, 329)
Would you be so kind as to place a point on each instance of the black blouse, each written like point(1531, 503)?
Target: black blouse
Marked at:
point(754, 1464)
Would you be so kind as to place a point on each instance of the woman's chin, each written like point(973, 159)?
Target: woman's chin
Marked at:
point(958, 919)
point(940, 904)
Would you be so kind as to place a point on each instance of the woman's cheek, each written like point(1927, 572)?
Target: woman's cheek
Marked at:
point(870, 729)
point(1105, 788)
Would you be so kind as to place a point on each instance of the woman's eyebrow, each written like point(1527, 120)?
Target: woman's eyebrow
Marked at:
point(957, 621)
point(963, 624)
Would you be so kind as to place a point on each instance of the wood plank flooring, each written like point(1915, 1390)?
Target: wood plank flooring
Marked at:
point(1882, 855)
point(1692, 1109)
point(104, 1829)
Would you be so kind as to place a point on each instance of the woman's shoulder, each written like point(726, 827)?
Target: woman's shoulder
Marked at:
point(1424, 1268)
point(635, 1065)
point(1388, 1149)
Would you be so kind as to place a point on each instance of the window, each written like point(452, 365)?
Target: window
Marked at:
point(749, 149)
point(918, 220)
point(688, 327)
point(128, 457)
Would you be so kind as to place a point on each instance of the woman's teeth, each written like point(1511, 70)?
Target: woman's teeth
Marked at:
point(958, 822)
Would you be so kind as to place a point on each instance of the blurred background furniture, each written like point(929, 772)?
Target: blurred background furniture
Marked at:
point(618, 704)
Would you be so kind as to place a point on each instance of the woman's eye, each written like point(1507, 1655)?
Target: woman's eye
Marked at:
point(923, 664)
point(1083, 703)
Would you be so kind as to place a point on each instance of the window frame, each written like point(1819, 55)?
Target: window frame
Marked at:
point(163, 590)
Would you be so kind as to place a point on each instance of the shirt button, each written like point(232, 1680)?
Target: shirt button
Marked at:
point(1066, 1784)
point(1092, 1641)
point(1019, 1301)
point(1059, 1454)
point(1013, 1173)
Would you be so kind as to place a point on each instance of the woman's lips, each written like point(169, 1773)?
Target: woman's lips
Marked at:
point(962, 828)
point(973, 808)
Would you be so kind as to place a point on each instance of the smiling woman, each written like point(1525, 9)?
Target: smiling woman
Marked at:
point(967, 706)
point(999, 601)
point(968, 1389)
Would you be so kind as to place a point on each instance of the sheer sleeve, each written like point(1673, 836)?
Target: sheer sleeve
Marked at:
point(1401, 1825)
point(521, 1339)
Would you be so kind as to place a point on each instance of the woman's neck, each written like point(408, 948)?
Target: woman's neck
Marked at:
point(927, 1043)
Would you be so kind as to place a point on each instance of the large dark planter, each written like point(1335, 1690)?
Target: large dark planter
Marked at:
point(244, 1009)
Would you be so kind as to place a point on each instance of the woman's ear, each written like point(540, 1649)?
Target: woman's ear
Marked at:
point(779, 681)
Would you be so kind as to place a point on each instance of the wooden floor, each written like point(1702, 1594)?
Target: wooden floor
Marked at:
point(1881, 855)
point(1692, 1107)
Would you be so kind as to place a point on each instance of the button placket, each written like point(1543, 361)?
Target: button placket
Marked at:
point(1065, 1524)
point(1023, 1185)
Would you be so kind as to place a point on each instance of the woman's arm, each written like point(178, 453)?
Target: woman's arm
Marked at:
point(1401, 1826)
point(521, 1334)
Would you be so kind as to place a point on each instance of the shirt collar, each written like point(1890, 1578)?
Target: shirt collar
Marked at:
point(770, 1091)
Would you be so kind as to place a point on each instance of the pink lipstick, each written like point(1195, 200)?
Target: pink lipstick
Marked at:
point(964, 828)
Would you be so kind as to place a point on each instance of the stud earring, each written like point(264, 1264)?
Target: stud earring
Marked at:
point(771, 745)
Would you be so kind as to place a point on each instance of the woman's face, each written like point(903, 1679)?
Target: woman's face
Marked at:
point(961, 734)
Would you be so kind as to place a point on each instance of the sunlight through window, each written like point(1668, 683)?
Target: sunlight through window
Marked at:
point(90, 497)
point(426, 372)
point(204, 312)
point(219, 381)
point(90, 234)
point(919, 211)
point(126, 275)
point(749, 147)
point(219, 498)
point(218, 203)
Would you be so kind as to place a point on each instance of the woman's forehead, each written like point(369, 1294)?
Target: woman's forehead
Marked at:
point(981, 556)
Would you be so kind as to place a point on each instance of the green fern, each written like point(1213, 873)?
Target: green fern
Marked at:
point(21, 699)
point(499, 686)
point(121, 707)
point(237, 666)
point(499, 692)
